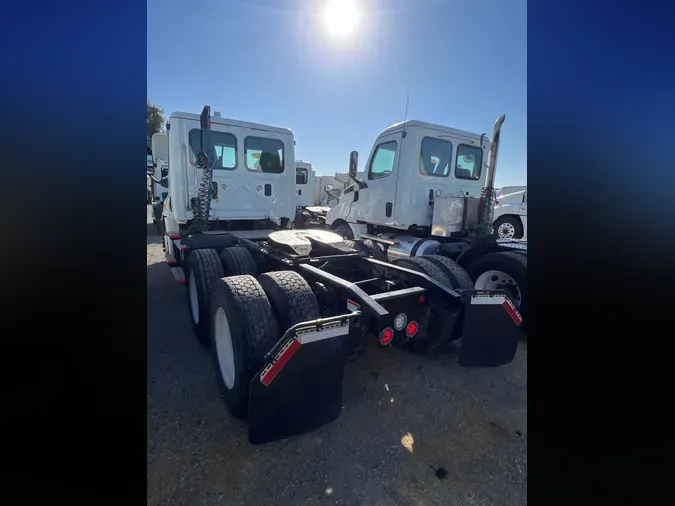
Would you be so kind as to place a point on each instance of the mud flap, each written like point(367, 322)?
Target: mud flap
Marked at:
point(491, 329)
point(300, 387)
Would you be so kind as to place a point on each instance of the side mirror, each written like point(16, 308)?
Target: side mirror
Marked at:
point(353, 164)
point(328, 188)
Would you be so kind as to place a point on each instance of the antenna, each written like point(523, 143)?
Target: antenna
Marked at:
point(405, 116)
point(407, 100)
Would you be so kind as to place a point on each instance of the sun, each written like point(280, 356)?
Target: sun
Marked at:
point(341, 17)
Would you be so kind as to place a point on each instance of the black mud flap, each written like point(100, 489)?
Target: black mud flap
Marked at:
point(300, 387)
point(491, 329)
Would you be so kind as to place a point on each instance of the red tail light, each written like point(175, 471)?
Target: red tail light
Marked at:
point(387, 336)
point(411, 329)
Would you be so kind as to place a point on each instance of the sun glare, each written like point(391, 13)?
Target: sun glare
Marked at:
point(341, 17)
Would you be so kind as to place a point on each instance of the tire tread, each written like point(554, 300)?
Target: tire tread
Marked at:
point(238, 261)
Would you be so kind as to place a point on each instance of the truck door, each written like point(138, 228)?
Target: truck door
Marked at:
point(377, 201)
point(469, 169)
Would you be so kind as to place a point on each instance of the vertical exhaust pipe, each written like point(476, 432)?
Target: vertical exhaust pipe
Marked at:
point(492, 163)
point(486, 207)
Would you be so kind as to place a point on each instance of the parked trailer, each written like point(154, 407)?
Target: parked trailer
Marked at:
point(281, 309)
point(428, 192)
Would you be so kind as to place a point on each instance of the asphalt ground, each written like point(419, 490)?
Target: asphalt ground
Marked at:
point(414, 430)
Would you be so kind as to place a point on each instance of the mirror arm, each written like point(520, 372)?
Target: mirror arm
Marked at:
point(361, 184)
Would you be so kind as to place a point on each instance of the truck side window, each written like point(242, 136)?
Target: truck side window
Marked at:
point(435, 157)
point(469, 162)
point(264, 155)
point(300, 176)
point(382, 163)
point(224, 144)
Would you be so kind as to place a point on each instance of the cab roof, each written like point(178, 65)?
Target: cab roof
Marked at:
point(231, 122)
point(412, 123)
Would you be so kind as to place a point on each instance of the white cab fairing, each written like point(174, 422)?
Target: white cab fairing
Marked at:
point(245, 191)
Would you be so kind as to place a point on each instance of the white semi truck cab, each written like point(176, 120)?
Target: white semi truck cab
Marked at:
point(309, 212)
point(304, 184)
point(412, 171)
point(427, 194)
point(252, 176)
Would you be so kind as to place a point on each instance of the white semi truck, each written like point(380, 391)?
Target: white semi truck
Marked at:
point(428, 192)
point(157, 175)
point(280, 309)
point(309, 211)
point(510, 214)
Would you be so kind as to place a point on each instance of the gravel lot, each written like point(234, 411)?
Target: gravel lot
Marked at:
point(468, 428)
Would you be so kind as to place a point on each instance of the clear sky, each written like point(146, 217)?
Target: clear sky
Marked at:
point(277, 62)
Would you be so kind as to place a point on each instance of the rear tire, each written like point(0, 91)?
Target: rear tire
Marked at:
point(344, 230)
point(458, 277)
point(503, 270)
point(237, 261)
point(376, 250)
point(202, 270)
point(243, 330)
point(421, 264)
point(300, 219)
point(291, 298)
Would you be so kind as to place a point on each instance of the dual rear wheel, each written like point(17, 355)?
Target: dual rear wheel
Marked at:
point(240, 318)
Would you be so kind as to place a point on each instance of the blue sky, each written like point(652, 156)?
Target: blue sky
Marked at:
point(463, 62)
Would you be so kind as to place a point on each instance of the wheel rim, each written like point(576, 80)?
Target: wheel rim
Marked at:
point(194, 300)
point(224, 350)
point(506, 231)
point(498, 280)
